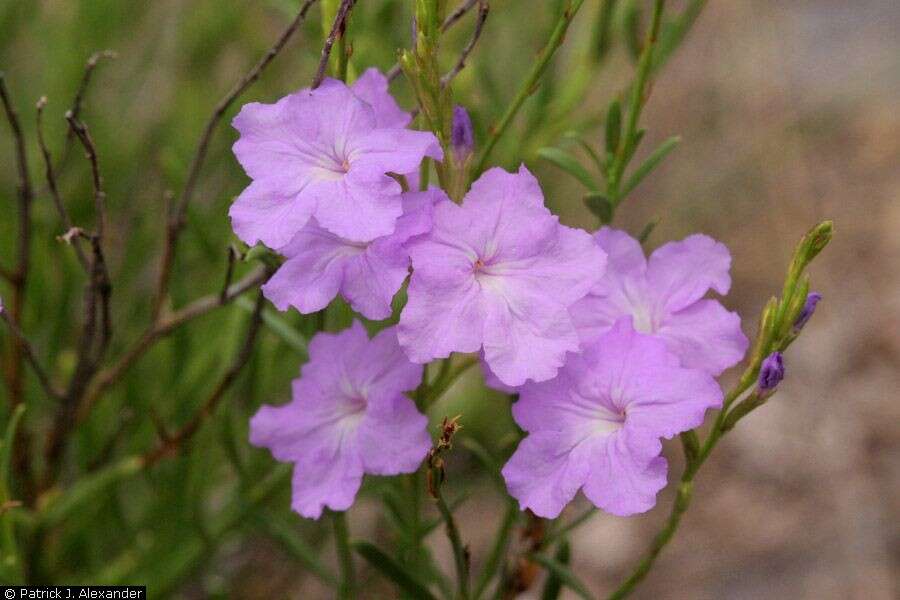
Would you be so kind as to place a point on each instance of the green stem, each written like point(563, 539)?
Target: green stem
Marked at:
point(530, 83)
point(682, 501)
point(627, 145)
point(347, 589)
point(460, 554)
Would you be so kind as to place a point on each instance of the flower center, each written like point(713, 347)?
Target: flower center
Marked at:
point(643, 319)
point(477, 265)
point(607, 420)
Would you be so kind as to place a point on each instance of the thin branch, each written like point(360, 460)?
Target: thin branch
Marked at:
point(176, 222)
point(80, 94)
point(337, 30)
point(233, 255)
point(91, 350)
point(81, 132)
point(19, 281)
point(50, 176)
point(172, 443)
point(31, 356)
point(19, 276)
point(449, 22)
point(198, 308)
point(483, 10)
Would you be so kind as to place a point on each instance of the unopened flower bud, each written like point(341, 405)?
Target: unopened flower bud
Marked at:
point(461, 136)
point(771, 373)
point(808, 309)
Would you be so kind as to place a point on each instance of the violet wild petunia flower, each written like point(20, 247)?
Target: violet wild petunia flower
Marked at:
point(321, 265)
point(498, 273)
point(665, 297)
point(348, 416)
point(807, 311)
point(324, 153)
point(771, 372)
point(462, 138)
point(597, 426)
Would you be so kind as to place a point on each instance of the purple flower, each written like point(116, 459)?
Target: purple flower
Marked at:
point(372, 87)
point(462, 138)
point(348, 416)
point(807, 312)
point(597, 426)
point(664, 296)
point(771, 372)
point(320, 265)
point(323, 153)
point(498, 272)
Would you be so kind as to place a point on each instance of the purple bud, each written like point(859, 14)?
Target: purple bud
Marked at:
point(461, 137)
point(771, 372)
point(808, 309)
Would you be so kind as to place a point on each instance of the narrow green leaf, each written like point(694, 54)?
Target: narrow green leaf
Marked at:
point(280, 529)
point(10, 567)
point(554, 584)
point(87, 490)
point(277, 325)
point(393, 570)
point(569, 164)
point(6, 449)
point(651, 163)
point(600, 206)
point(613, 126)
point(429, 526)
point(575, 137)
point(564, 573)
point(647, 230)
point(488, 463)
point(498, 550)
point(632, 26)
point(603, 37)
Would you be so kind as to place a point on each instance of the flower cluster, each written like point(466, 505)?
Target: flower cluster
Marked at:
point(608, 352)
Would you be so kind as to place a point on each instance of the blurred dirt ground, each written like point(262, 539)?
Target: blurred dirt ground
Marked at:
point(790, 113)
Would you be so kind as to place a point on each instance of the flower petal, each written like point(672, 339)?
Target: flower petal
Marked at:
point(705, 336)
point(312, 274)
point(393, 150)
point(680, 273)
point(546, 471)
point(359, 211)
point(372, 87)
point(526, 334)
point(394, 436)
point(622, 482)
point(386, 371)
point(268, 212)
point(330, 477)
point(440, 318)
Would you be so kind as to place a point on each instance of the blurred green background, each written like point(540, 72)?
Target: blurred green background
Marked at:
point(788, 114)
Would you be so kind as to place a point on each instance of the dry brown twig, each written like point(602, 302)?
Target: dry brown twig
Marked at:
point(483, 11)
point(176, 221)
point(50, 176)
point(337, 30)
point(31, 357)
point(18, 277)
point(171, 443)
